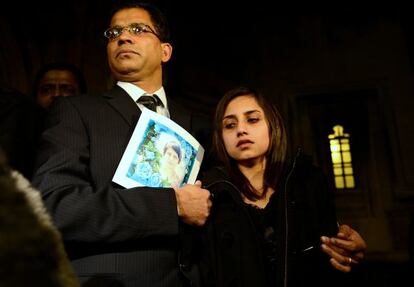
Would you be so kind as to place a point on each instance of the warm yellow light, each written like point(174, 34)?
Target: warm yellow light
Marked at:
point(339, 182)
point(349, 179)
point(337, 170)
point(345, 146)
point(341, 158)
point(348, 170)
point(346, 156)
point(336, 157)
point(335, 146)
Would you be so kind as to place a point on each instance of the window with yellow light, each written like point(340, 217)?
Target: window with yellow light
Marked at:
point(341, 158)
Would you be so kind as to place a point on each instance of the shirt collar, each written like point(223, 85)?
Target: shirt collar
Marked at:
point(135, 92)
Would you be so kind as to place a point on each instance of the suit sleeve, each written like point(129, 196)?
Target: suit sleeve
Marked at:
point(85, 206)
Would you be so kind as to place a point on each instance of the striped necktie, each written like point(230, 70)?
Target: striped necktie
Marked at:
point(150, 101)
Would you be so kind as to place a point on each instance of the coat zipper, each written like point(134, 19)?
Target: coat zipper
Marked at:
point(240, 203)
point(285, 279)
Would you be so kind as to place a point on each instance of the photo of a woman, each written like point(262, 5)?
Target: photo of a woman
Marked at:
point(171, 170)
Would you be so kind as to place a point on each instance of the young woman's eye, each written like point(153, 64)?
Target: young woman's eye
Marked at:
point(253, 120)
point(228, 126)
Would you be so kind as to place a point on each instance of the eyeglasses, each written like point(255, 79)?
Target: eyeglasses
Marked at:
point(134, 28)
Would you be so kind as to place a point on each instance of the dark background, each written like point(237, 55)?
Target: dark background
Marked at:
point(347, 63)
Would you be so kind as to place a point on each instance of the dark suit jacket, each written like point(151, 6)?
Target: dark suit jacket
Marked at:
point(114, 236)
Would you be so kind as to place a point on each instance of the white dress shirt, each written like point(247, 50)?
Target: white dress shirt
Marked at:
point(136, 92)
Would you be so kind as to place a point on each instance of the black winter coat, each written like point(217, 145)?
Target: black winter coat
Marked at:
point(302, 209)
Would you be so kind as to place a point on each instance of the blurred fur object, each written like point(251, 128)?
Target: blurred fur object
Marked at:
point(31, 248)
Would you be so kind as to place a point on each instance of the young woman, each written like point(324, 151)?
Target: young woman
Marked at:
point(170, 169)
point(268, 214)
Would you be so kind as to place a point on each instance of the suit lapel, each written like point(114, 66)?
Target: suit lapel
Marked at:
point(120, 101)
point(179, 115)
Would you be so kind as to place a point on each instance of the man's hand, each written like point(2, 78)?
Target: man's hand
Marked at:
point(346, 249)
point(193, 203)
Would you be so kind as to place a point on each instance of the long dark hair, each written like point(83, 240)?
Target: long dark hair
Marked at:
point(277, 143)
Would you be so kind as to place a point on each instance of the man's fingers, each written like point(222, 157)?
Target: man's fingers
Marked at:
point(334, 251)
point(358, 257)
point(332, 244)
point(193, 203)
point(344, 231)
point(340, 266)
point(343, 243)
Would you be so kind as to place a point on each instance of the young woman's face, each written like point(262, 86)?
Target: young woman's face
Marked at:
point(171, 156)
point(245, 130)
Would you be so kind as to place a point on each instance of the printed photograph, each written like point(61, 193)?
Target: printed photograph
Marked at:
point(160, 154)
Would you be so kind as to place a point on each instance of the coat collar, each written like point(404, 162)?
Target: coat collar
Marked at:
point(120, 101)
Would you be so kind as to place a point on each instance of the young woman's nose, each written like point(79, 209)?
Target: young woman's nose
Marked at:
point(241, 129)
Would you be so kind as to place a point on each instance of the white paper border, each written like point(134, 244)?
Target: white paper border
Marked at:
point(147, 117)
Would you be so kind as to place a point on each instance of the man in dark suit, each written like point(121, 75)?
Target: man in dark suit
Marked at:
point(117, 236)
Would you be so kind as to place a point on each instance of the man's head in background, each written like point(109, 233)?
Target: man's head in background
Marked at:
point(57, 80)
